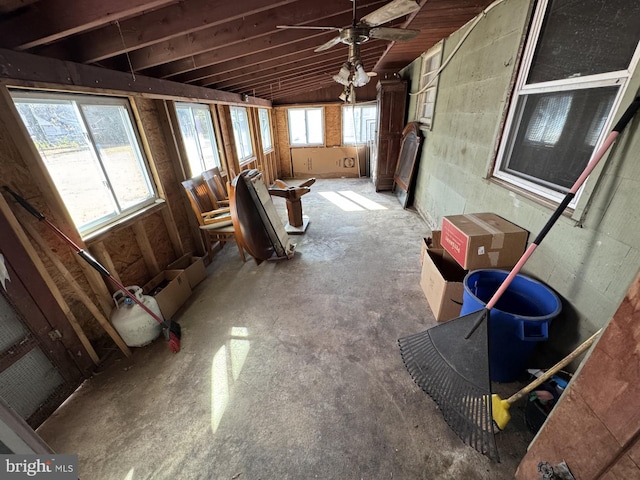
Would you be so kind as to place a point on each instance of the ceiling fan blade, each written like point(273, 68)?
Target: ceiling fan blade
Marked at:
point(308, 27)
point(391, 11)
point(328, 45)
point(393, 34)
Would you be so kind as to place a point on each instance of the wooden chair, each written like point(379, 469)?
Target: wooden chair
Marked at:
point(216, 184)
point(215, 223)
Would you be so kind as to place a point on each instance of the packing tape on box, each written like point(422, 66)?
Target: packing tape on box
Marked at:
point(497, 237)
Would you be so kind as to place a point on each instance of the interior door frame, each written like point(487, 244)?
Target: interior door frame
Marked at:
point(28, 294)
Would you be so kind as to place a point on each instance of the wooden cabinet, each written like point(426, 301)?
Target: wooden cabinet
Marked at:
point(392, 100)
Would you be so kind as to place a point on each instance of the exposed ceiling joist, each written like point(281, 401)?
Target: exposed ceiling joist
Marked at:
point(236, 31)
point(281, 65)
point(291, 75)
point(300, 51)
point(51, 20)
point(232, 46)
point(160, 25)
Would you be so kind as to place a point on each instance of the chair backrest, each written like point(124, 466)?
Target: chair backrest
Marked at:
point(199, 198)
point(213, 179)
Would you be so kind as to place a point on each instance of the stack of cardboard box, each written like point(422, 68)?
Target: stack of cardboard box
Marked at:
point(466, 242)
point(172, 287)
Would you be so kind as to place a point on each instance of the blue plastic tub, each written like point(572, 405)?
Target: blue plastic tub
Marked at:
point(517, 323)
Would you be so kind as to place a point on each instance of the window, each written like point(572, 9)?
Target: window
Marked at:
point(570, 84)
point(241, 133)
point(429, 83)
point(265, 129)
point(91, 149)
point(198, 137)
point(358, 123)
point(306, 126)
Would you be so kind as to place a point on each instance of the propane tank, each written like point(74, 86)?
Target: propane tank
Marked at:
point(136, 327)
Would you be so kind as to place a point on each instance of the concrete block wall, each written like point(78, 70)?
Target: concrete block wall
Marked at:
point(591, 256)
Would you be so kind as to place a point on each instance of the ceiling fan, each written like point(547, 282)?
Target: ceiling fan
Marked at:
point(352, 73)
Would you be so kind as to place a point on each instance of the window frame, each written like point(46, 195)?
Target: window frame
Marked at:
point(306, 118)
point(363, 125)
point(522, 89)
point(243, 157)
point(199, 106)
point(265, 149)
point(425, 76)
point(20, 95)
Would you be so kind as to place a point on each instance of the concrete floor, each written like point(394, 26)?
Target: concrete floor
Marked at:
point(288, 370)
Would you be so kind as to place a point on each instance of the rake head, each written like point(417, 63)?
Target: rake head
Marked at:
point(454, 372)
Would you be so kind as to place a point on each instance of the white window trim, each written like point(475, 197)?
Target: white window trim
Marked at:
point(364, 104)
point(200, 106)
point(106, 222)
point(271, 148)
point(436, 50)
point(306, 121)
point(252, 154)
point(598, 80)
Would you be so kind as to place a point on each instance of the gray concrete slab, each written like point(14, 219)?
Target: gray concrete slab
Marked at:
point(288, 370)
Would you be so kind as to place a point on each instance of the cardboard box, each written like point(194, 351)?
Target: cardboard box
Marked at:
point(442, 283)
point(171, 289)
point(483, 240)
point(193, 266)
point(327, 162)
point(430, 242)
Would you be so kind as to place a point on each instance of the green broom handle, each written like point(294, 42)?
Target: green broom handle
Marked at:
point(617, 129)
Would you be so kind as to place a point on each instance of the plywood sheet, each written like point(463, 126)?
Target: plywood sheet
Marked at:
point(159, 237)
point(282, 137)
point(333, 125)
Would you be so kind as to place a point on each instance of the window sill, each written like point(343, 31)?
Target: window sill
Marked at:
point(424, 128)
point(247, 161)
point(123, 222)
point(537, 199)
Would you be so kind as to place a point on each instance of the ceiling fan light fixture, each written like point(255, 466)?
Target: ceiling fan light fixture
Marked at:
point(344, 96)
point(361, 77)
point(344, 75)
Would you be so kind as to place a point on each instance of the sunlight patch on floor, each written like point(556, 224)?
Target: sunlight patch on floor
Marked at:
point(225, 369)
point(362, 201)
point(341, 202)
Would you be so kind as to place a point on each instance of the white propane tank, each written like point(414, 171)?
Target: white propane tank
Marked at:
point(136, 327)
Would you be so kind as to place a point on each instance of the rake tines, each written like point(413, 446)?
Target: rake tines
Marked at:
point(455, 373)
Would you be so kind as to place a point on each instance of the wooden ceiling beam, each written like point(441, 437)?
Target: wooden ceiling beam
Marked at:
point(159, 25)
point(21, 68)
point(256, 45)
point(275, 68)
point(240, 30)
point(301, 83)
point(261, 68)
point(294, 91)
point(307, 91)
point(298, 85)
point(330, 67)
point(253, 60)
point(308, 82)
point(262, 45)
point(51, 20)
